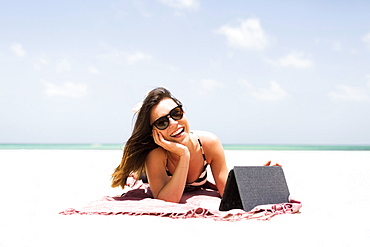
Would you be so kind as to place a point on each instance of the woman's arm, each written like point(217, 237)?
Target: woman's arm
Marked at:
point(162, 186)
point(215, 152)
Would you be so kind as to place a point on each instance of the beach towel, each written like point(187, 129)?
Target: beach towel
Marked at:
point(197, 203)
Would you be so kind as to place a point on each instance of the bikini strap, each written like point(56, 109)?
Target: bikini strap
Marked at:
point(202, 150)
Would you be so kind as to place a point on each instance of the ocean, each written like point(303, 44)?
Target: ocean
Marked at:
point(226, 147)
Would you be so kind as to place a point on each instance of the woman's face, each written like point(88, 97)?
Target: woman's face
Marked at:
point(177, 130)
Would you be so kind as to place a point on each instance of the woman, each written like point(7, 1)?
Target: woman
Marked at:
point(173, 157)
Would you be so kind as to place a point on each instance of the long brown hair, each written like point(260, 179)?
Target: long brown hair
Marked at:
point(141, 141)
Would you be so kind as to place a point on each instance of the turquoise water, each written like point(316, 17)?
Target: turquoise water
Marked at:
point(226, 147)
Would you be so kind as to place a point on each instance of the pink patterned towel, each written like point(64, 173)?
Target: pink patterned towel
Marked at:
point(200, 203)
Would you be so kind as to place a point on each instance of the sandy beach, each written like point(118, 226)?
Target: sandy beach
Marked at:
point(37, 184)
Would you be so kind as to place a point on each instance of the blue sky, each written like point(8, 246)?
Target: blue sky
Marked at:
point(252, 72)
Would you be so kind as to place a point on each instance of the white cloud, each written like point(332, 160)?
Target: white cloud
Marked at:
point(182, 4)
point(124, 57)
point(337, 45)
point(246, 84)
point(295, 60)
point(249, 34)
point(63, 66)
point(18, 49)
point(142, 9)
point(209, 84)
point(136, 57)
point(351, 93)
point(334, 44)
point(272, 93)
point(93, 70)
point(206, 86)
point(68, 89)
point(40, 62)
point(366, 40)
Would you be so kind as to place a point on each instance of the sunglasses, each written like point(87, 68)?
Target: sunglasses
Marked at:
point(163, 122)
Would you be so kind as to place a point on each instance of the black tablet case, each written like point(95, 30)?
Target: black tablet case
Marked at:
point(250, 186)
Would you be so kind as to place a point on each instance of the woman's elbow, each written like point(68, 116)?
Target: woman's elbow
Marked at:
point(168, 198)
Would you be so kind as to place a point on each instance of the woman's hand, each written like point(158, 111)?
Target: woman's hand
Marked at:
point(172, 147)
point(269, 164)
point(164, 187)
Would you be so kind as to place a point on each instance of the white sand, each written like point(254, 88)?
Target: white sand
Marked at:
point(37, 184)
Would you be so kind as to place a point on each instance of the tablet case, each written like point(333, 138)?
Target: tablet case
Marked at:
point(250, 186)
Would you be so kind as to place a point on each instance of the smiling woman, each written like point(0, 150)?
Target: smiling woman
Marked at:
point(173, 157)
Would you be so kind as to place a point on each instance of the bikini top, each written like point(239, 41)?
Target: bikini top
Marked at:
point(203, 175)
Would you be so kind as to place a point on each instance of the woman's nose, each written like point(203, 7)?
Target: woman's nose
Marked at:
point(172, 121)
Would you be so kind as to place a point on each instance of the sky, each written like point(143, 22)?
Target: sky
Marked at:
point(252, 72)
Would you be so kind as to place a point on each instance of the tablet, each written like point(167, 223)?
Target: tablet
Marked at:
point(249, 186)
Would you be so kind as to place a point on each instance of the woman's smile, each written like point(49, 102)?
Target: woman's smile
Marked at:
point(178, 133)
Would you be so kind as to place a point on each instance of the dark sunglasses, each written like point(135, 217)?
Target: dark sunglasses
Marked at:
point(163, 122)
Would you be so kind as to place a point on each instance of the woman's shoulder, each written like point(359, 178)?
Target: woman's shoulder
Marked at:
point(155, 157)
point(157, 152)
point(212, 145)
point(207, 137)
